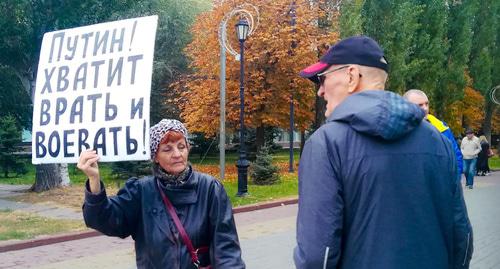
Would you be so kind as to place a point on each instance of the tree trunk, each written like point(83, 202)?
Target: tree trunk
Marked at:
point(259, 137)
point(64, 174)
point(464, 125)
point(48, 176)
point(488, 114)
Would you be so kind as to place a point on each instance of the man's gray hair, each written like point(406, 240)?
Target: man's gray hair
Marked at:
point(413, 91)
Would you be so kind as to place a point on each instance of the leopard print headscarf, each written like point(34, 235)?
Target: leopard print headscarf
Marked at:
point(158, 131)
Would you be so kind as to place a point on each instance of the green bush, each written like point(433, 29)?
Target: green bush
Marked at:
point(262, 171)
point(10, 138)
point(202, 145)
point(128, 169)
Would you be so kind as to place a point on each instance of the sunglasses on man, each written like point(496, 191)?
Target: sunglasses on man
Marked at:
point(322, 76)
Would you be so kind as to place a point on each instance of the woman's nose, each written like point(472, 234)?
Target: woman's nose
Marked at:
point(176, 153)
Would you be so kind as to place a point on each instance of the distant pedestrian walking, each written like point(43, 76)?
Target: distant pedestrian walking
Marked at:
point(483, 168)
point(470, 147)
point(377, 184)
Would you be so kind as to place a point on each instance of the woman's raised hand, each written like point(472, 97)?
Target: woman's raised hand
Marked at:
point(88, 164)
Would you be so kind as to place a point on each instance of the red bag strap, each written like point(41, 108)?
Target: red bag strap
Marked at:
point(178, 224)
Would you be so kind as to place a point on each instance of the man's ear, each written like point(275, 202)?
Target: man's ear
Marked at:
point(354, 78)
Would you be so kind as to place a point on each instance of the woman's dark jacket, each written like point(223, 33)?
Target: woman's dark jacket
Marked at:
point(482, 157)
point(138, 210)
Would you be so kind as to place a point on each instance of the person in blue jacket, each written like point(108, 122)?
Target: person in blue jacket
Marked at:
point(377, 184)
point(419, 98)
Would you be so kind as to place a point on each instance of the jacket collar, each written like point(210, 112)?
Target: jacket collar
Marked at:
point(378, 113)
point(183, 194)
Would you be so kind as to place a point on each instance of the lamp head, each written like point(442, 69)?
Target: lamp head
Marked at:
point(242, 28)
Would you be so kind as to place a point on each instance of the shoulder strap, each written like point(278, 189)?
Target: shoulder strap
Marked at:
point(180, 228)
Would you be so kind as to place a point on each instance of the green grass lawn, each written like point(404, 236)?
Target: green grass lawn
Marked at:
point(286, 187)
point(232, 157)
point(494, 162)
point(77, 177)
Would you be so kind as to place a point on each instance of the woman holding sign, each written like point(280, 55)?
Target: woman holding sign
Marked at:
point(179, 218)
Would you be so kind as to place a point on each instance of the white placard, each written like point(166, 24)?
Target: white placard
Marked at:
point(92, 91)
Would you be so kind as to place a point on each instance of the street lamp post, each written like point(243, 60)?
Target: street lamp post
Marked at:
point(292, 47)
point(242, 163)
point(226, 46)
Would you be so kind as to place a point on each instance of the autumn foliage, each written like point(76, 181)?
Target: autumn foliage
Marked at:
point(467, 112)
point(274, 55)
point(231, 172)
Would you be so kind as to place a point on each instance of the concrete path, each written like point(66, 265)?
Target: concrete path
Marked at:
point(483, 205)
point(7, 190)
point(267, 238)
point(262, 233)
point(49, 211)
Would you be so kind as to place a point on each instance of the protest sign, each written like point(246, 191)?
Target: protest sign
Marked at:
point(92, 91)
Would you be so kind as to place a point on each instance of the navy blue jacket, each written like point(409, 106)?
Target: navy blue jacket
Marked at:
point(138, 210)
point(378, 189)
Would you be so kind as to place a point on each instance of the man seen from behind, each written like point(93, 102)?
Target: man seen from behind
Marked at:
point(369, 193)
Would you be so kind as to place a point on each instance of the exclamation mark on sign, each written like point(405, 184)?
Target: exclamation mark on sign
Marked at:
point(144, 137)
point(132, 38)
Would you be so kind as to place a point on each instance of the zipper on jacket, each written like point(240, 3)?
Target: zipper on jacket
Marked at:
point(467, 249)
point(325, 260)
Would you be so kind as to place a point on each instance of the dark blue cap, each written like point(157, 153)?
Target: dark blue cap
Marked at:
point(360, 50)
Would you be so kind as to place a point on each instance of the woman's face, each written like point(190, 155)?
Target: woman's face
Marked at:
point(173, 156)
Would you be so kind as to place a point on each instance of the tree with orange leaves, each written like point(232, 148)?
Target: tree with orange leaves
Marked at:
point(271, 67)
point(467, 113)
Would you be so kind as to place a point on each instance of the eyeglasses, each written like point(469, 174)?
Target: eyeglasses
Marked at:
point(322, 77)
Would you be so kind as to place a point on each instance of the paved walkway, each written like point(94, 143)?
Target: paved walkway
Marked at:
point(12, 190)
point(267, 239)
point(49, 211)
point(262, 233)
point(483, 205)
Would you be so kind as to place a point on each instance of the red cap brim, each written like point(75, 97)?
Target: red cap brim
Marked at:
point(311, 71)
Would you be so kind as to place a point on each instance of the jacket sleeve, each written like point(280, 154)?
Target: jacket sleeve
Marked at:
point(478, 147)
point(458, 152)
point(463, 243)
point(225, 246)
point(113, 216)
point(320, 215)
